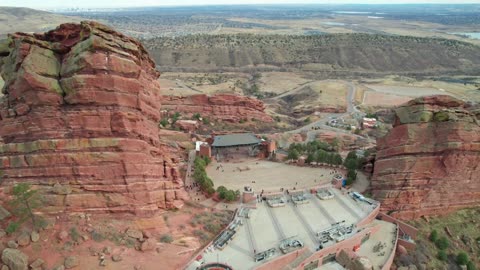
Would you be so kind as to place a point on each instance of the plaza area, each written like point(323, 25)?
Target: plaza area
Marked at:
point(267, 175)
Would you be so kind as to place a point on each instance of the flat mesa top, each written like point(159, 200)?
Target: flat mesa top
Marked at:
point(235, 139)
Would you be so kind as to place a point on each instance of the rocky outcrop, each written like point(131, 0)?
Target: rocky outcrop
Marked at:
point(224, 107)
point(429, 163)
point(81, 108)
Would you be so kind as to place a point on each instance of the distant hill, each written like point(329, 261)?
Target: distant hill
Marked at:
point(360, 53)
point(14, 19)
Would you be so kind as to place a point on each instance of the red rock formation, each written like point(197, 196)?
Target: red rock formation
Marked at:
point(429, 163)
point(81, 108)
point(225, 107)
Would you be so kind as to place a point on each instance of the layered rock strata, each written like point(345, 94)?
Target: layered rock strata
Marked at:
point(81, 108)
point(224, 107)
point(429, 163)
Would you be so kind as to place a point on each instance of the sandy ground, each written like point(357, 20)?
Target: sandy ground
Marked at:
point(409, 91)
point(377, 99)
point(266, 175)
point(280, 82)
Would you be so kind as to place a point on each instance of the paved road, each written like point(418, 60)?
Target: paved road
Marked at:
point(322, 123)
point(191, 159)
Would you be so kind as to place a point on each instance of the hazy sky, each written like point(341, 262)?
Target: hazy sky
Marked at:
point(127, 3)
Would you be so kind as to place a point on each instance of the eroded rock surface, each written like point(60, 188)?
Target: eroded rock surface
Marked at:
point(225, 107)
point(81, 108)
point(429, 163)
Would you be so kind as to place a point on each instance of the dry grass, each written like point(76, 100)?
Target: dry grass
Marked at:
point(280, 82)
point(29, 20)
point(462, 224)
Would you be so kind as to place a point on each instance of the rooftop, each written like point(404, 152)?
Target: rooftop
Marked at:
point(235, 140)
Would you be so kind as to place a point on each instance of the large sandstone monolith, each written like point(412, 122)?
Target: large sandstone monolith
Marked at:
point(81, 108)
point(429, 163)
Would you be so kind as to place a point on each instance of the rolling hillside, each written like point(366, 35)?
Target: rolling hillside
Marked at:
point(360, 53)
point(13, 19)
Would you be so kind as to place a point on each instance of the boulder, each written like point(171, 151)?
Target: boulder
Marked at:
point(34, 236)
point(23, 239)
point(63, 235)
point(2, 233)
point(71, 262)
point(12, 244)
point(428, 163)
point(148, 244)
point(117, 258)
point(37, 263)
point(15, 259)
point(4, 213)
point(133, 233)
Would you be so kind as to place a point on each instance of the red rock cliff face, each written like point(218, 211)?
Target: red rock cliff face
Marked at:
point(81, 108)
point(429, 163)
point(225, 107)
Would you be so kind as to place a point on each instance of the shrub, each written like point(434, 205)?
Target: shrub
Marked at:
point(442, 255)
point(74, 234)
point(205, 121)
point(433, 236)
point(12, 227)
point(471, 266)
point(211, 227)
point(230, 195)
point(462, 258)
point(196, 116)
point(222, 191)
point(442, 243)
point(166, 238)
point(164, 122)
point(97, 237)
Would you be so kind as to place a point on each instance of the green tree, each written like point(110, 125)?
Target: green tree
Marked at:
point(222, 191)
point(337, 159)
point(442, 243)
point(25, 201)
point(293, 154)
point(230, 195)
point(462, 258)
point(433, 236)
point(442, 255)
point(310, 158)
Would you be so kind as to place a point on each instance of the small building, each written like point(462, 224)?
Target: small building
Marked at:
point(235, 145)
point(368, 122)
point(204, 150)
